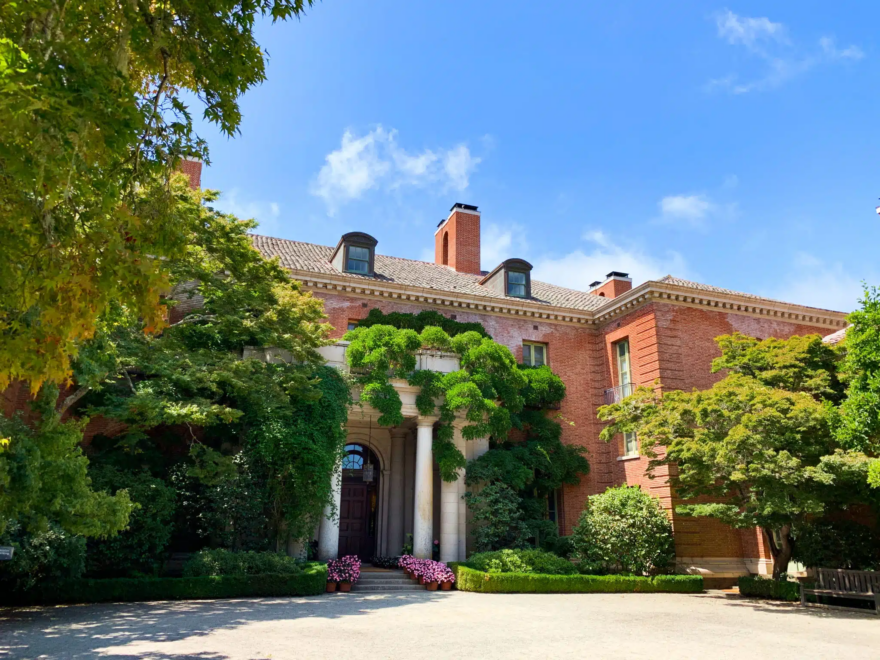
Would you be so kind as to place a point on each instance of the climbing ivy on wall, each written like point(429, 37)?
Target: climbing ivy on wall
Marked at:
point(499, 399)
point(420, 321)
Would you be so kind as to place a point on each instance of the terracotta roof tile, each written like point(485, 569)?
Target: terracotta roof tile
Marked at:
point(312, 258)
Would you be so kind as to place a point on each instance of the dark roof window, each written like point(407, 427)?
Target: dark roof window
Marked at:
point(355, 253)
point(511, 278)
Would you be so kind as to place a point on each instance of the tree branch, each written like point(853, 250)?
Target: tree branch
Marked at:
point(72, 399)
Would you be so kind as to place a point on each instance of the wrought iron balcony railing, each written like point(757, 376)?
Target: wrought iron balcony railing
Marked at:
point(619, 393)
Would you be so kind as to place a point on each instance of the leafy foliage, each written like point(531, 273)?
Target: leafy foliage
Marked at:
point(44, 557)
point(419, 322)
point(859, 423)
point(521, 561)
point(496, 509)
point(624, 530)
point(44, 477)
point(757, 453)
point(225, 562)
point(93, 97)
point(139, 549)
point(469, 579)
point(760, 587)
point(836, 544)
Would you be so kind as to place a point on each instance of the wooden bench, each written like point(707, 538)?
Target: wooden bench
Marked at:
point(838, 583)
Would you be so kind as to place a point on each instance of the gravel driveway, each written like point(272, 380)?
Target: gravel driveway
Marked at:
point(443, 625)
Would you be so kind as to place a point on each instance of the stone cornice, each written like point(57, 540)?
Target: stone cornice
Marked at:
point(643, 294)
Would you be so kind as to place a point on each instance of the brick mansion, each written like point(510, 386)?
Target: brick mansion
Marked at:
point(602, 342)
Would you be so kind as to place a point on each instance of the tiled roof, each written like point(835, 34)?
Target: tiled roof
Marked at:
point(677, 281)
point(836, 337)
point(312, 258)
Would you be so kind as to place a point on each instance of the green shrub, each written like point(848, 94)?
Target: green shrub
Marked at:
point(498, 517)
point(42, 558)
point(759, 587)
point(837, 544)
point(139, 549)
point(561, 546)
point(226, 562)
point(521, 561)
point(624, 530)
point(469, 579)
point(312, 580)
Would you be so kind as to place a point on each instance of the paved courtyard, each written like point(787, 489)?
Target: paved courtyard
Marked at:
point(454, 625)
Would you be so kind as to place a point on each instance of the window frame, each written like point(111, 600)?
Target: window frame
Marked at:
point(368, 261)
point(624, 379)
point(525, 284)
point(630, 445)
point(531, 345)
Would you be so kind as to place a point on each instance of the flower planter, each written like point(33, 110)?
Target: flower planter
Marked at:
point(345, 587)
point(331, 587)
point(446, 586)
point(432, 586)
point(421, 580)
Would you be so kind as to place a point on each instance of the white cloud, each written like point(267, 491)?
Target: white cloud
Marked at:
point(266, 213)
point(578, 269)
point(748, 31)
point(814, 282)
point(730, 182)
point(849, 53)
point(689, 208)
point(376, 160)
point(769, 42)
point(498, 243)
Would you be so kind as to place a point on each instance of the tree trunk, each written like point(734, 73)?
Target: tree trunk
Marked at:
point(782, 553)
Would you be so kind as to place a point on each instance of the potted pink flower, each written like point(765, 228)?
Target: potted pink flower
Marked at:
point(344, 571)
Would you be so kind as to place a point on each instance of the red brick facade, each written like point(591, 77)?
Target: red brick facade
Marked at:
point(457, 241)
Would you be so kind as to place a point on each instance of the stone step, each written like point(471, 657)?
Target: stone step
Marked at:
point(380, 578)
point(383, 589)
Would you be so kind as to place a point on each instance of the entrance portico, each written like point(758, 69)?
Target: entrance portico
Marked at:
point(405, 479)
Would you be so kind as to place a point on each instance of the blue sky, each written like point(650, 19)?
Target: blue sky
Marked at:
point(735, 144)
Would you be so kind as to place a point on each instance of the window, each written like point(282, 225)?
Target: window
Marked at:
point(516, 284)
point(358, 260)
point(553, 505)
point(354, 457)
point(352, 325)
point(624, 370)
point(534, 354)
point(630, 444)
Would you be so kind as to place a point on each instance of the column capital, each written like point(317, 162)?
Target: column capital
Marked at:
point(426, 421)
point(398, 432)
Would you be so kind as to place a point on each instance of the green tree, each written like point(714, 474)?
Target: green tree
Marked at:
point(624, 530)
point(93, 97)
point(44, 479)
point(763, 457)
point(859, 423)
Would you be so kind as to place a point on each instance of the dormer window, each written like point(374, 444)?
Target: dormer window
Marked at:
point(358, 260)
point(511, 278)
point(516, 283)
point(355, 253)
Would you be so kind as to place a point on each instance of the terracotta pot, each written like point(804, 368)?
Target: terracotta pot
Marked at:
point(446, 586)
point(345, 587)
point(421, 580)
point(331, 587)
point(432, 586)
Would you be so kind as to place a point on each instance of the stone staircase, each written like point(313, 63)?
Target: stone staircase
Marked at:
point(378, 581)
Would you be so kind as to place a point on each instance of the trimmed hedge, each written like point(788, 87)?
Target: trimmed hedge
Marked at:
point(759, 587)
point(310, 582)
point(226, 562)
point(469, 579)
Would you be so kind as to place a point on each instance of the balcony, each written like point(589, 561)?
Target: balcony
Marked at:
point(619, 393)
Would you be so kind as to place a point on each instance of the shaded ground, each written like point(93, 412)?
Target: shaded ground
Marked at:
point(432, 625)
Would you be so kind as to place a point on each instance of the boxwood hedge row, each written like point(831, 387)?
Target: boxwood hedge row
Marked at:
point(469, 579)
point(311, 581)
point(759, 587)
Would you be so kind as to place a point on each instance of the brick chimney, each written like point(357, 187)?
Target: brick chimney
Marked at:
point(614, 285)
point(193, 169)
point(457, 240)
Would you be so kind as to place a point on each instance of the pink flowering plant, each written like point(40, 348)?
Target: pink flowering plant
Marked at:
point(345, 569)
point(428, 569)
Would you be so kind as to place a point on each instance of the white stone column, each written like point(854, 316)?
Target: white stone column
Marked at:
point(423, 515)
point(451, 509)
point(396, 513)
point(328, 535)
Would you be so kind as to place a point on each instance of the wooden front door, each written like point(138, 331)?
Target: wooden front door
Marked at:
point(355, 533)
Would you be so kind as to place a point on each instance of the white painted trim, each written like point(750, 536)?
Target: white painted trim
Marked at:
point(451, 213)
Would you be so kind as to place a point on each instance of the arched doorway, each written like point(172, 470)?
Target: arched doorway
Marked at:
point(359, 505)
